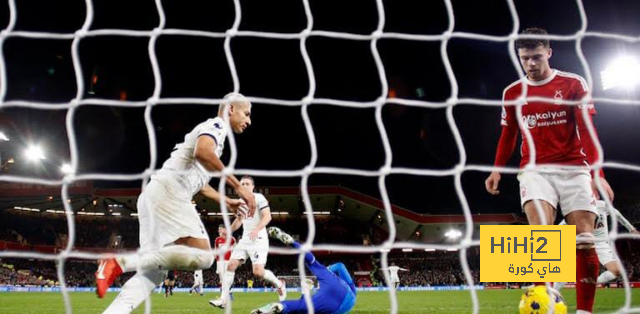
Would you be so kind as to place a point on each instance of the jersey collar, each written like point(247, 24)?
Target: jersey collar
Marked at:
point(545, 81)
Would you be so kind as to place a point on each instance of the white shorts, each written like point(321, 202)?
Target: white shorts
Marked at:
point(166, 214)
point(198, 282)
point(221, 267)
point(256, 250)
point(604, 251)
point(394, 279)
point(570, 189)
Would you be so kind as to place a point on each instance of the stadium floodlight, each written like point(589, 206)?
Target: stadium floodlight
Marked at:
point(34, 153)
point(453, 234)
point(66, 169)
point(621, 72)
point(3, 137)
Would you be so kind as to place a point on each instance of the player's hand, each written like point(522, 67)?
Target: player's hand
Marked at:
point(233, 204)
point(605, 186)
point(249, 199)
point(253, 235)
point(635, 231)
point(491, 184)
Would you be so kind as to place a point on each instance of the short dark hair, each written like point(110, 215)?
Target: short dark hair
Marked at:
point(533, 43)
point(248, 178)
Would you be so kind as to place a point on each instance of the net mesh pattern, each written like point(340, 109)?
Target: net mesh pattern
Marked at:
point(465, 243)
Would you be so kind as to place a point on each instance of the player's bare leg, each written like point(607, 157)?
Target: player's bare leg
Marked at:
point(260, 272)
point(588, 266)
point(613, 272)
point(534, 217)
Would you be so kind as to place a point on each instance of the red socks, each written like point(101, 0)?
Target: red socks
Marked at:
point(587, 271)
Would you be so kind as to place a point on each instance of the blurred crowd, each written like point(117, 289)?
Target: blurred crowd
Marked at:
point(439, 268)
point(121, 233)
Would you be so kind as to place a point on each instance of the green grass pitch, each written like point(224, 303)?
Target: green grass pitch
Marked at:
point(491, 301)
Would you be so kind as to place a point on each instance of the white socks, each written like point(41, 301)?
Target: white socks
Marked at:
point(270, 277)
point(135, 291)
point(169, 257)
point(227, 282)
point(606, 277)
point(558, 285)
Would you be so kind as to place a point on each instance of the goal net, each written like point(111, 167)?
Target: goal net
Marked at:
point(385, 97)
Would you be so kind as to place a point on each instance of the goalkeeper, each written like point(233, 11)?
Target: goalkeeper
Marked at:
point(337, 292)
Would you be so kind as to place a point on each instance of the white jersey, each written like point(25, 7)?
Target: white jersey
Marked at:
point(249, 223)
point(197, 276)
point(182, 159)
point(393, 273)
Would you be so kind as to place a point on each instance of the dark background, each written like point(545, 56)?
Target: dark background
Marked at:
point(115, 139)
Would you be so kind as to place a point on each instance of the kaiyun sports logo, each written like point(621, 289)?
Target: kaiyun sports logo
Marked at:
point(544, 119)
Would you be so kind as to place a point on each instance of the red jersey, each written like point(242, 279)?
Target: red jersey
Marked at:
point(220, 241)
point(559, 131)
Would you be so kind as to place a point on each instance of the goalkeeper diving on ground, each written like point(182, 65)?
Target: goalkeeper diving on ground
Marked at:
point(336, 293)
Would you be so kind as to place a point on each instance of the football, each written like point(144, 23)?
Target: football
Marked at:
point(542, 300)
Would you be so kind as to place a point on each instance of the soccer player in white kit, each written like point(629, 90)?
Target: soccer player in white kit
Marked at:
point(172, 236)
point(393, 274)
point(254, 245)
point(198, 282)
point(603, 248)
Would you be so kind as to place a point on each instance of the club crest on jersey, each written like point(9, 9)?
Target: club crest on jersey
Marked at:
point(523, 192)
point(530, 121)
point(558, 97)
point(217, 126)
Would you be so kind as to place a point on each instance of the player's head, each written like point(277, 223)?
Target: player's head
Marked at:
point(248, 183)
point(239, 111)
point(222, 231)
point(534, 54)
point(393, 263)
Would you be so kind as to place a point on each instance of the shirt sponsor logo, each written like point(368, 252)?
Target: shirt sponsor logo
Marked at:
point(541, 119)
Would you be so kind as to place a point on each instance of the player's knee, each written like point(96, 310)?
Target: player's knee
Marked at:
point(614, 268)
point(233, 265)
point(259, 272)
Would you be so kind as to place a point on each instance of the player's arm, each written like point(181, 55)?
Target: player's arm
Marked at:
point(403, 269)
point(205, 153)
point(506, 146)
point(341, 271)
point(265, 219)
point(589, 143)
point(235, 225)
point(211, 193)
point(623, 221)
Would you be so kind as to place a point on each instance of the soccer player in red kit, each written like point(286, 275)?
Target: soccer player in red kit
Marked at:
point(221, 263)
point(561, 138)
point(221, 240)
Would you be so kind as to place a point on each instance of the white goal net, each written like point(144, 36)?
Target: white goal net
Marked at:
point(465, 243)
